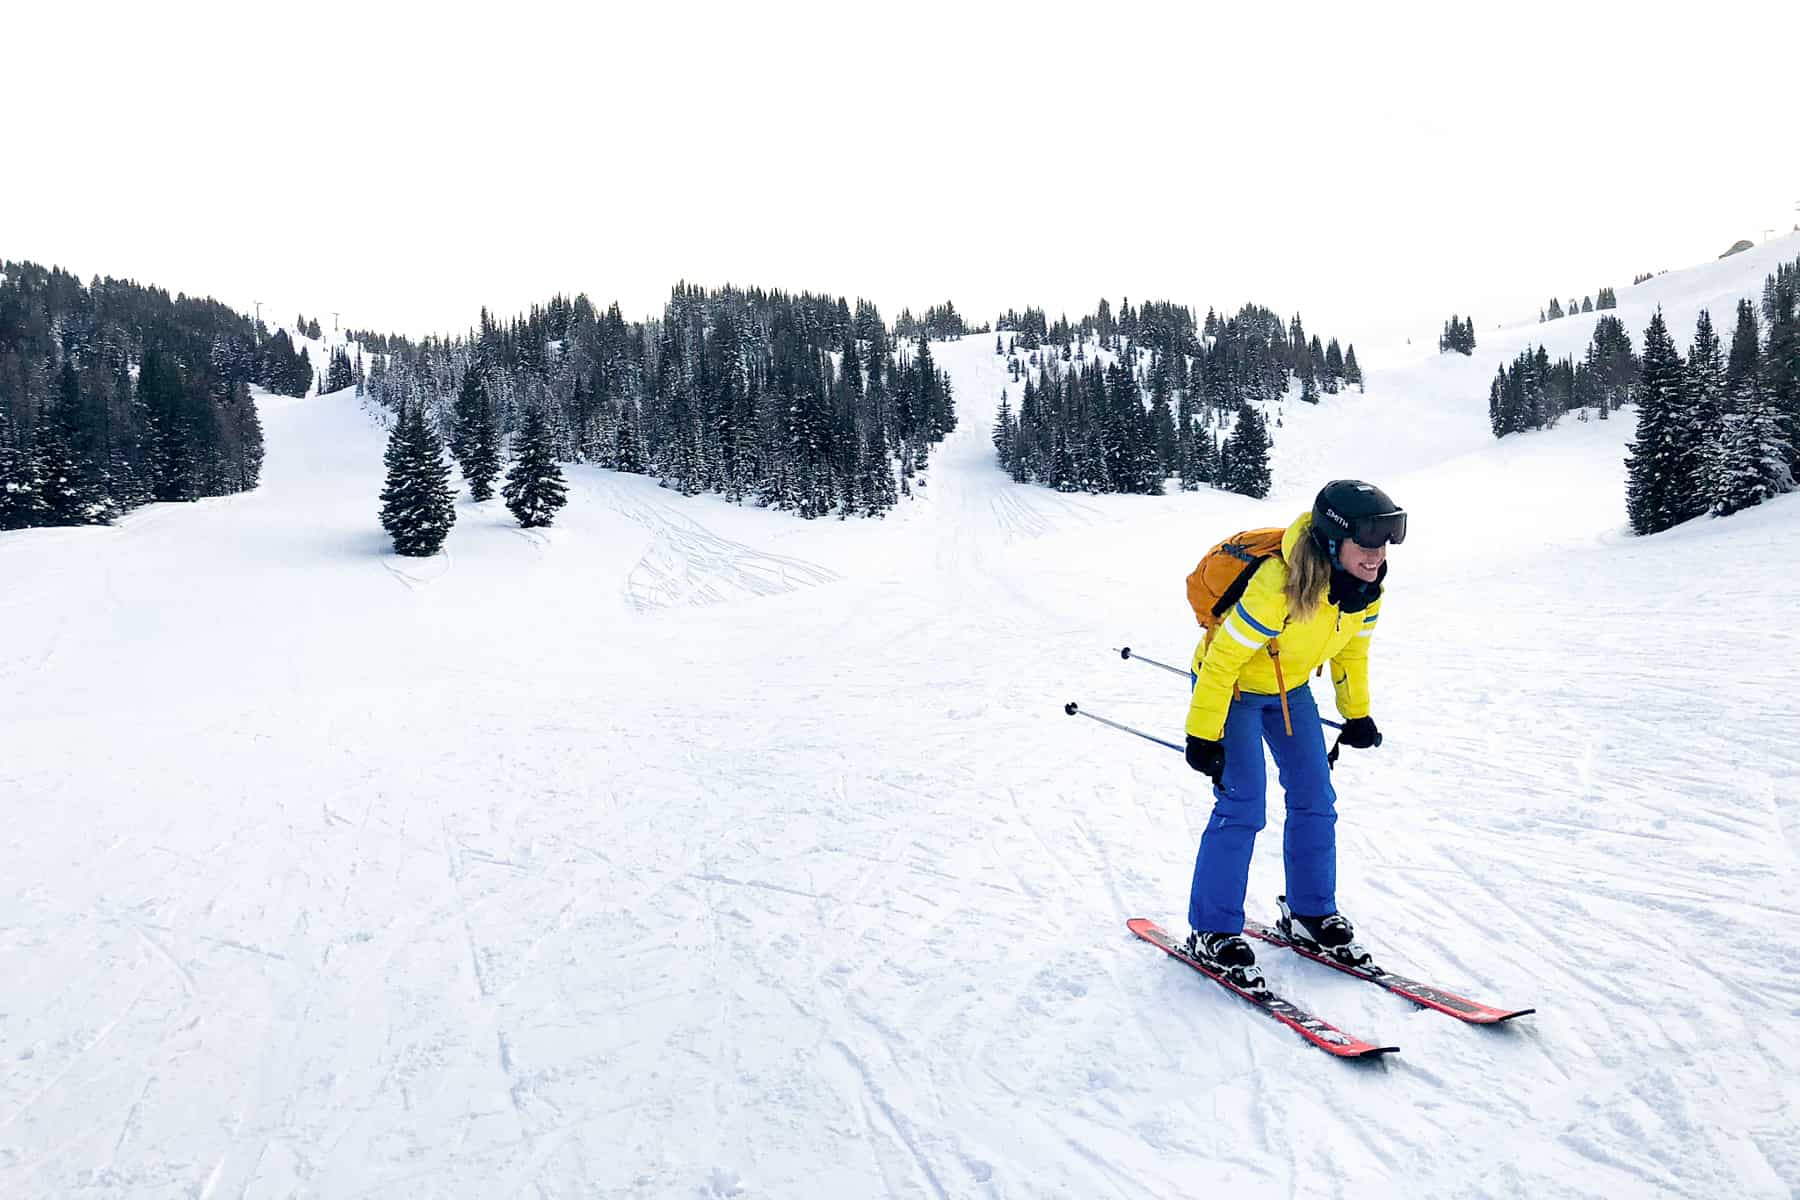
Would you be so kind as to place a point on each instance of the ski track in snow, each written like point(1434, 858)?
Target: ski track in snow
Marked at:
point(687, 849)
point(690, 564)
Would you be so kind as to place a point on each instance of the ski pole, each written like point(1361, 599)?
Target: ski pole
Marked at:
point(1075, 710)
point(1128, 655)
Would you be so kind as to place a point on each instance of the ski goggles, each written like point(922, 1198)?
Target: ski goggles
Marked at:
point(1372, 533)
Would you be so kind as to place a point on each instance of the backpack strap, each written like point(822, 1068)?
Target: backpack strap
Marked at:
point(1281, 684)
point(1231, 596)
point(1235, 591)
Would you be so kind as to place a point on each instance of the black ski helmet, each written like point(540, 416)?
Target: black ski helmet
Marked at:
point(1362, 512)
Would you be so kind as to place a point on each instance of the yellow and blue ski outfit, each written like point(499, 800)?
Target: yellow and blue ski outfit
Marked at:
point(1237, 700)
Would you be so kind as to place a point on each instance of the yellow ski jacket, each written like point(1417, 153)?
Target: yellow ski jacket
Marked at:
point(1239, 656)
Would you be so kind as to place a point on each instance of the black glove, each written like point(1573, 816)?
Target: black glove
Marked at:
point(1206, 757)
point(1360, 732)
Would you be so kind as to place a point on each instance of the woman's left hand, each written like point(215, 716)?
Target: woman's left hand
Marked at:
point(1360, 732)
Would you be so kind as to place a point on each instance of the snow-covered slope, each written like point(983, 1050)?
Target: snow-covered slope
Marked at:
point(690, 850)
point(1434, 407)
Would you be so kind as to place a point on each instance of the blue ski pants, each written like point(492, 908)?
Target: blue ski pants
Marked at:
point(1309, 838)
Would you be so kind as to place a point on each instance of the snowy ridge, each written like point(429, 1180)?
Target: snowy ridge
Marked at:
point(687, 849)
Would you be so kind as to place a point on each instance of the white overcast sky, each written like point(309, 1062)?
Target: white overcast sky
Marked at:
point(1374, 167)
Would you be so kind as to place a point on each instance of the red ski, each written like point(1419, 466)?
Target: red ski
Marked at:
point(1424, 994)
point(1322, 1034)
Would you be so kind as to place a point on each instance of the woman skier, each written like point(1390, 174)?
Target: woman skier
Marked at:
point(1318, 600)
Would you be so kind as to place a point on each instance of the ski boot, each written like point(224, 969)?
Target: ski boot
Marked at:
point(1331, 935)
point(1230, 956)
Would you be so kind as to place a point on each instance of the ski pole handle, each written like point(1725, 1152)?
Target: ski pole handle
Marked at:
point(1075, 710)
point(1331, 759)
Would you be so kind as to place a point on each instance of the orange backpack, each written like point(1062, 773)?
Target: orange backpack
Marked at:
point(1219, 582)
point(1220, 579)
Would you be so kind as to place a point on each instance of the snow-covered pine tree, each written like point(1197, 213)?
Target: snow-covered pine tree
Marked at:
point(1006, 434)
point(535, 489)
point(20, 505)
point(1321, 366)
point(1754, 456)
point(1661, 488)
point(1059, 472)
point(1708, 404)
point(940, 412)
point(1534, 369)
point(476, 432)
point(1353, 372)
point(1247, 455)
point(67, 494)
point(1187, 436)
point(1614, 363)
point(1161, 461)
point(1209, 459)
point(417, 508)
point(1334, 365)
point(1781, 359)
point(339, 374)
point(1751, 464)
point(240, 442)
point(876, 482)
point(628, 444)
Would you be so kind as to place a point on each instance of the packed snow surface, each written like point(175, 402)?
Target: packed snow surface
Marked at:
point(690, 850)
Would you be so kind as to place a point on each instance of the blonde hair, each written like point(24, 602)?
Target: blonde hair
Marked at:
point(1308, 578)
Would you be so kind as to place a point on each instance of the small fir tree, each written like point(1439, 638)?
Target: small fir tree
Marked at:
point(417, 508)
point(1661, 488)
point(1247, 455)
point(534, 488)
point(1309, 390)
point(475, 435)
point(1006, 433)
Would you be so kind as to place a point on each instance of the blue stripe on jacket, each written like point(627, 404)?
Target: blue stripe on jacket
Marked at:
point(1253, 623)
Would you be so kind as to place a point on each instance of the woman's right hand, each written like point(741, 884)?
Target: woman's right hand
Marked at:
point(1207, 757)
